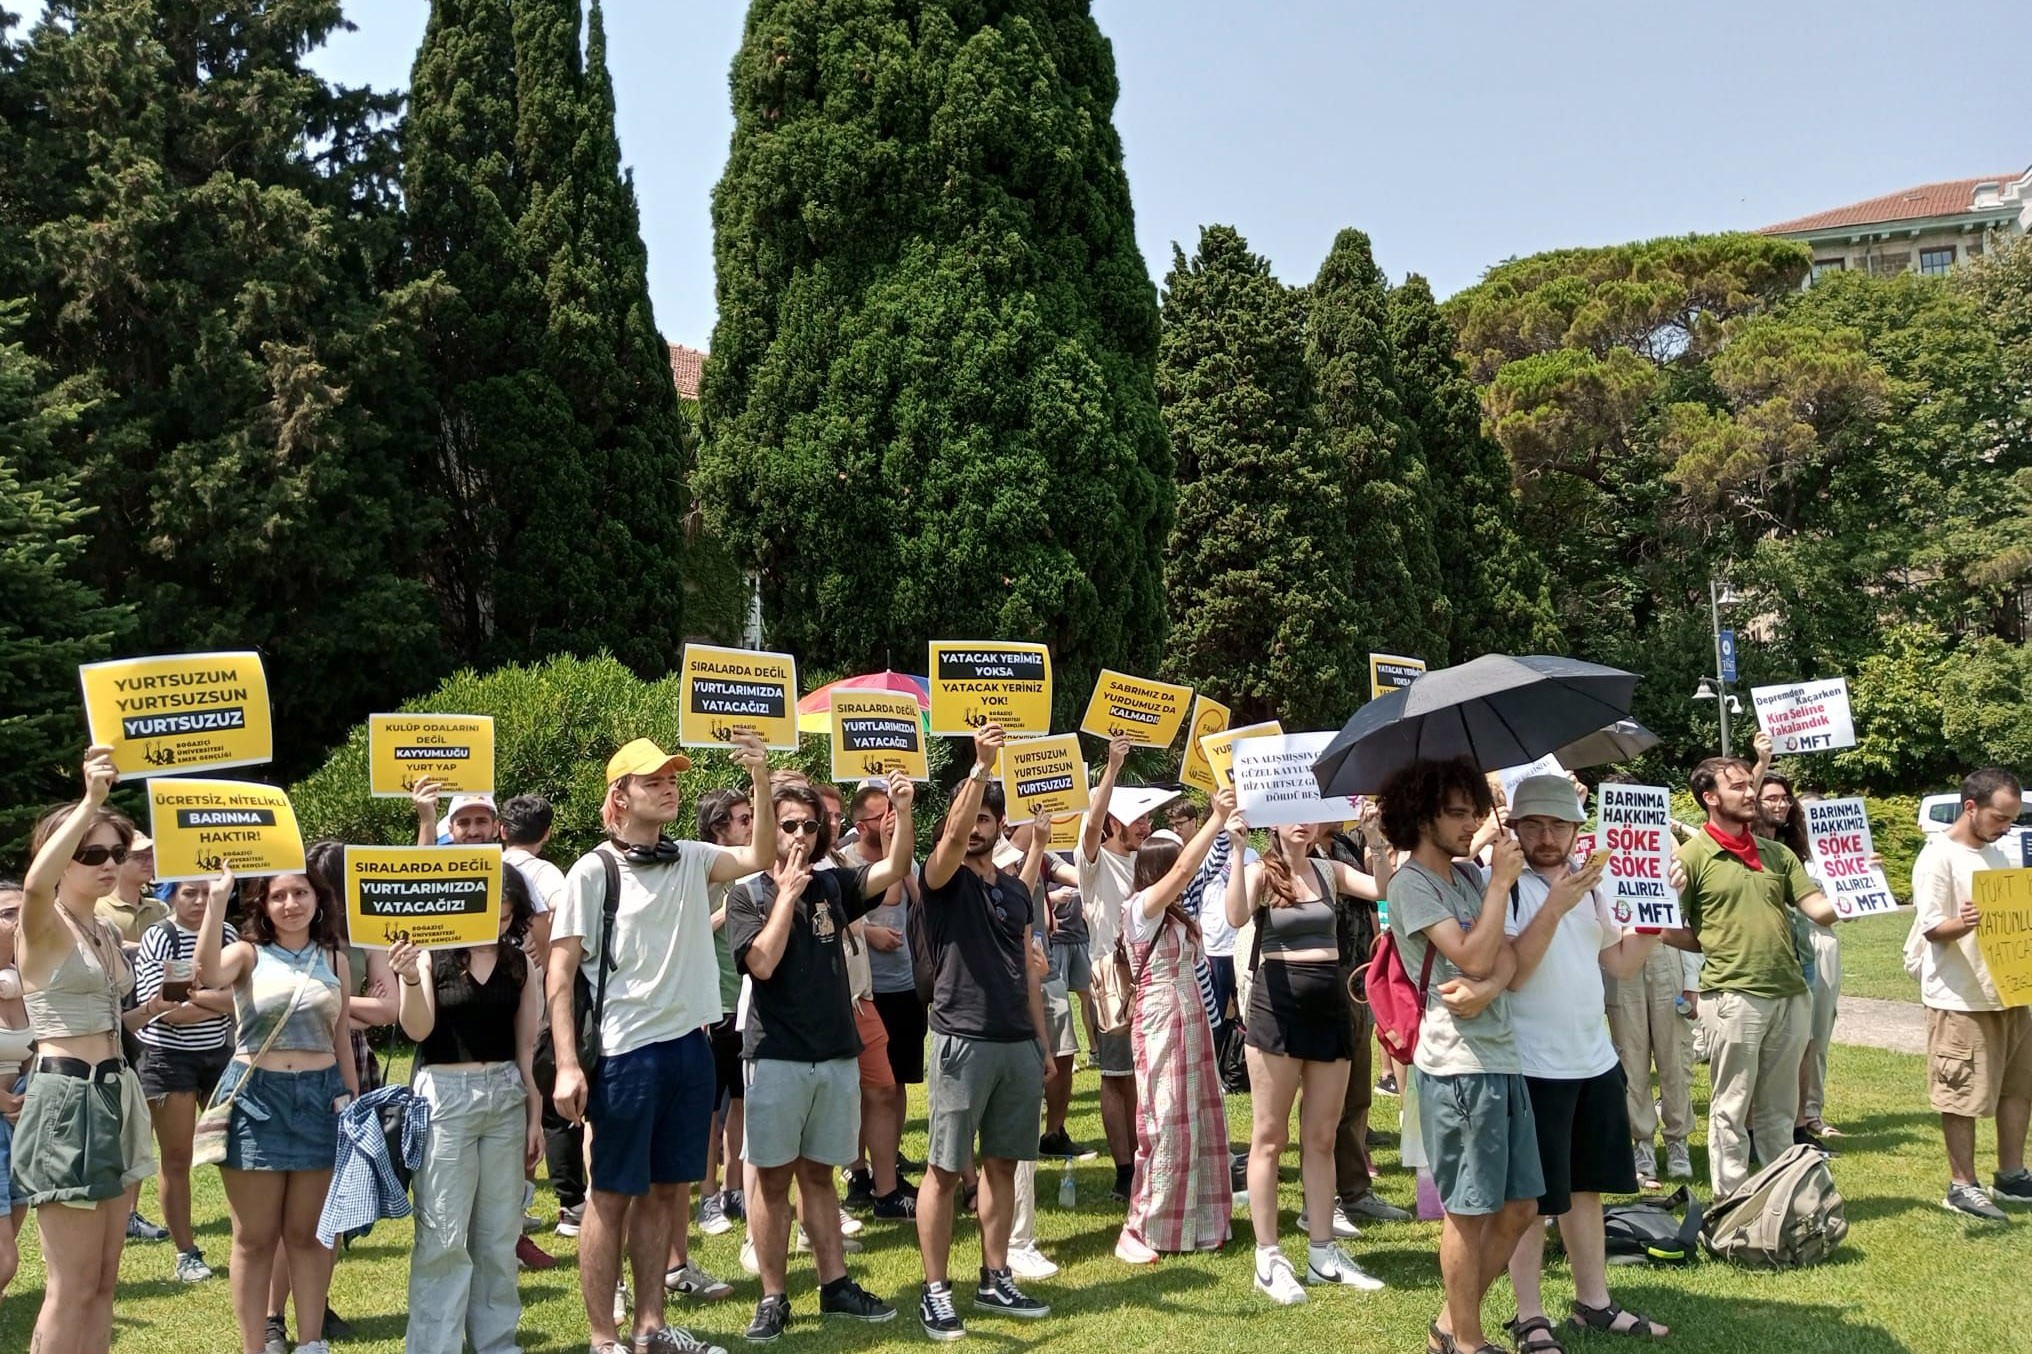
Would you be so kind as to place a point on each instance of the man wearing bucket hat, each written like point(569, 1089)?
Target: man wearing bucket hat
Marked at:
point(650, 1099)
point(1564, 938)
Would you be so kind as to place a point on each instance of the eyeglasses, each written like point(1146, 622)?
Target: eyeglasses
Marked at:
point(871, 819)
point(99, 855)
point(805, 825)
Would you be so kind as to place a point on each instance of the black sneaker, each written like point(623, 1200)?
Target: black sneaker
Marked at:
point(938, 1316)
point(1060, 1146)
point(905, 1166)
point(275, 1335)
point(998, 1293)
point(844, 1297)
point(860, 1191)
point(1802, 1136)
point(2014, 1188)
point(734, 1204)
point(772, 1314)
point(897, 1206)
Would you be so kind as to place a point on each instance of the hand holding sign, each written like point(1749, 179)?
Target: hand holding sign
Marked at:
point(747, 750)
point(988, 741)
point(1506, 862)
point(404, 958)
point(99, 774)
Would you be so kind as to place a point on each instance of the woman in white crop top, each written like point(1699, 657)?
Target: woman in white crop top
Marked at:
point(82, 1142)
point(16, 1042)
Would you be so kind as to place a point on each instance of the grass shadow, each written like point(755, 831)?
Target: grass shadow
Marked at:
point(1697, 1318)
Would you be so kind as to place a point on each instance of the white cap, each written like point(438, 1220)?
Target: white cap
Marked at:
point(472, 802)
point(1165, 834)
point(1130, 802)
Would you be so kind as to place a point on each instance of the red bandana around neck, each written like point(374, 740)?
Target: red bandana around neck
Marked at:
point(1743, 848)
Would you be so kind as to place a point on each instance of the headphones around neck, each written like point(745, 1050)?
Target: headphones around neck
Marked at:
point(663, 853)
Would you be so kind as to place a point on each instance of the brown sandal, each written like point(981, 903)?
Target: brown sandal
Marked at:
point(1522, 1330)
point(1604, 1319)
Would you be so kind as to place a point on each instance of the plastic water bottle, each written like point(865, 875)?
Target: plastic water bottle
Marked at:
point(1683, 1006)
point(1068, 1191)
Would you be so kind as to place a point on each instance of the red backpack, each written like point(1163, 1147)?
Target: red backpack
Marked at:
point(1397, 1003)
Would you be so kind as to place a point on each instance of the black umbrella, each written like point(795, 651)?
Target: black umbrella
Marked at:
point(1619, 742)
point(1496, 711)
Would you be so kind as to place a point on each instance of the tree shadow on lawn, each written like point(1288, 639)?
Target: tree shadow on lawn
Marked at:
point(1882, 1132)
point(1701, 1322)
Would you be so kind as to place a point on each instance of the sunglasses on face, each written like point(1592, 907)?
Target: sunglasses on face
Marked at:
point(807, 826)
point(99, 855)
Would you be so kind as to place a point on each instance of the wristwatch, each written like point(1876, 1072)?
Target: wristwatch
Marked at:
point(980, 773)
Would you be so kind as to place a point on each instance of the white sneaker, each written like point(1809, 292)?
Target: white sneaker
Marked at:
point(848, 1246)
point(1647, 1166)
point(1344, 1228)
point(620, 1302)
point(1278, 1281)
point(1330, 1265)
point(1131, 1251)
point(748, 1261)
point(1027, 1262)
point(849, 1224)
point(1678, 1161)
point(689, 1281)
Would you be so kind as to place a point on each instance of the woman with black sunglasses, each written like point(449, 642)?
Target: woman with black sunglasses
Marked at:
point(82, 1142)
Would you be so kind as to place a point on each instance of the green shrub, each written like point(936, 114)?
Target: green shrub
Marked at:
point(555, 725)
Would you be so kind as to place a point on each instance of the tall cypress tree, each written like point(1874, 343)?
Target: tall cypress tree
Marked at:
point(213, 231)
point(560, 447)
point(1399, 605)
point(1496, 587)
point(930, 410)
point(1260, 564)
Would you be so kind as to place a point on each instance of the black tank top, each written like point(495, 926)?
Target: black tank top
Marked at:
point(475, 1021)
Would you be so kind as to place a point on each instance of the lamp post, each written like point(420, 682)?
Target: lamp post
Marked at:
point(1716, 688)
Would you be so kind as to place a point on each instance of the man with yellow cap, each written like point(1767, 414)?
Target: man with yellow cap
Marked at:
point(652, 984)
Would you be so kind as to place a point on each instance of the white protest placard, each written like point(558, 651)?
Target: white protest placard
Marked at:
point(1512, 776)
point(1634, 825)
point(1838, 830)
point(1274, 784)
point(1807, 716)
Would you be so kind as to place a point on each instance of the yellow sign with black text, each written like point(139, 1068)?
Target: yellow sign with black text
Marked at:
point(1209, 717)
point(2003, 900)
point(1392, 672)
point(202, 827)
point(1150, 713)
point(876, 733)
point(456, 751)
point(1065, 832)
point(1219, 750)
point(975, 683)
point(179, 712)
point(434, 897)
point(1044, 777)
point(722, 692)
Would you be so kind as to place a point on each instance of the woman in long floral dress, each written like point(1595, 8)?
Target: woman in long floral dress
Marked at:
point(1181, 1198)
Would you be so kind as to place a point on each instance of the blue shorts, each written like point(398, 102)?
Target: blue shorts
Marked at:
point(282, 1121)
point(1480, 1139)
point(6, 1168)
point(651, 1110)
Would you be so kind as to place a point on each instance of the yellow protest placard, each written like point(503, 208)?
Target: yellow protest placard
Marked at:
point(975, 683)
point(1389, 672)
point(435, 897)
point(1209, 717)
point(201, 827)
point(1148, 712)
point(1219, 749)
point(2004, 931)
point(1044, 777)
point(456, 751)
point(722, 692)
point(179, 712)
point(876, 733)
point(1065, 832)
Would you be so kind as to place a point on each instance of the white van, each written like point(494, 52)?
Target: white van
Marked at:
point(1938, 812)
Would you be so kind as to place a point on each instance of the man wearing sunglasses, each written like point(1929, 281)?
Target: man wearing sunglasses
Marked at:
point(128, 909)
point(789, 930)
point(988, 1045)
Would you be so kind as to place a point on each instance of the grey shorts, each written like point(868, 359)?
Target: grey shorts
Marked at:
point(1073, 965)
point(1058, 1021)
point(808, 1110)
point(1115, 1054)
point(1481, 1140)
point(979, 1089)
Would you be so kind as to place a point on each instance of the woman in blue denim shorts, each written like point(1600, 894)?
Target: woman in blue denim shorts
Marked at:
point(16, 1042)
point(291, 1074)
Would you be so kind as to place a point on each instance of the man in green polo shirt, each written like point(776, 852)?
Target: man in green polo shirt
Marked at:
point(1741, 892)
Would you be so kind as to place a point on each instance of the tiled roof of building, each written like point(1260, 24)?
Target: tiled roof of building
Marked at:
point(686, 366)
point(1910, 204)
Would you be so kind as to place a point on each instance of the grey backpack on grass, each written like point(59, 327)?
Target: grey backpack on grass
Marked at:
point(1787, 1215)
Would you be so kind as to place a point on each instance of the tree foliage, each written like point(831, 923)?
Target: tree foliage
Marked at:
point(930, 408)
point(1260, 567)
point(1401, 605)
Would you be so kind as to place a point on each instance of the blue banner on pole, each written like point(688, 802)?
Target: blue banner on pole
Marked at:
point(1728, 655)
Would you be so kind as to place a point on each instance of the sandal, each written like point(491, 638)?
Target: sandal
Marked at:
point(1447, 1344)
point(1521, 1331)
point(1604, 1319)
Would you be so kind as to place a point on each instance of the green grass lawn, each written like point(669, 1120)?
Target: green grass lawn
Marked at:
point(1911, 1276)
point(1873, 957)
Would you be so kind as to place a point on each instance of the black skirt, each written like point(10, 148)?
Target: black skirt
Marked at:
point(1299, 1010)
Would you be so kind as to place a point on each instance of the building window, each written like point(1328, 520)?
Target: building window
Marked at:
point(1936, 262)
point(1889, 263)
point(1822, 267)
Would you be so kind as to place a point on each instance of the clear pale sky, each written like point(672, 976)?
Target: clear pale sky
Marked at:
point(1456, 132)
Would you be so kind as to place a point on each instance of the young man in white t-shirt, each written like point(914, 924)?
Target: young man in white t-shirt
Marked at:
point(1978, 1051)
point(1563, 937)
point(650, 1102)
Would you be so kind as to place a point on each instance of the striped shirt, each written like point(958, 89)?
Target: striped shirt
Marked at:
point(159, 943)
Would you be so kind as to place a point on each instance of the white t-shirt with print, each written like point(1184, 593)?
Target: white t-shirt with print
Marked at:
point(1560, 1017)
point(1952, 975)
point(666, 982)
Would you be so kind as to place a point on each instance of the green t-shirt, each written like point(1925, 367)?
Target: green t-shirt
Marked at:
point(730, 977)
point(1743, 917)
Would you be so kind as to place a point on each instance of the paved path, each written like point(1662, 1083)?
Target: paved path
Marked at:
point(1897, 1025)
